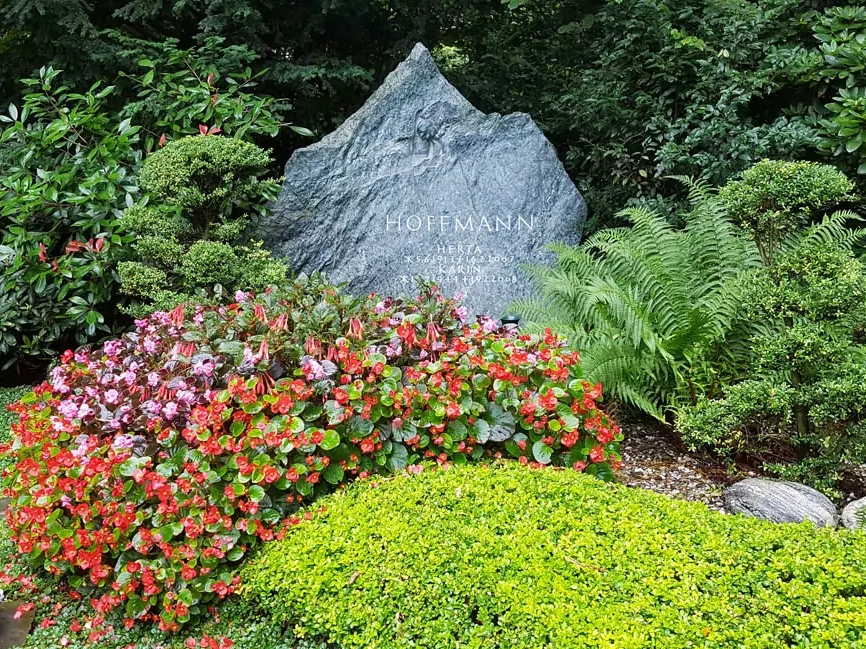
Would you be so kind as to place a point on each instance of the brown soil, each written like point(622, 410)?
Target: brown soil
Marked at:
point(653, 458)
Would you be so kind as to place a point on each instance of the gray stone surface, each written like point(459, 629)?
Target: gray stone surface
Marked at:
point(849, 514)
point(420, 183)
point(14, 632)
point(780, 502)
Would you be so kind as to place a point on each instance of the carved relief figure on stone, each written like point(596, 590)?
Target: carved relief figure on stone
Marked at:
point(440, 181)
point(431, 123)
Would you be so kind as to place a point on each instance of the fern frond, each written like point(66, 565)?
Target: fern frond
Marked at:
point(832, 229)
point(640, 302)
point(700, 190)
point(615, 366)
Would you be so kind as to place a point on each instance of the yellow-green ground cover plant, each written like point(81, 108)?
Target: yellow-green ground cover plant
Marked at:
point(507, 556)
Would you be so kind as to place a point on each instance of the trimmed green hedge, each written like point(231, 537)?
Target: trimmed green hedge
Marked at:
point(512, 557)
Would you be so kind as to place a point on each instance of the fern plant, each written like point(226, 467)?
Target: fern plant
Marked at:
point(655, 309)
point(838, 229)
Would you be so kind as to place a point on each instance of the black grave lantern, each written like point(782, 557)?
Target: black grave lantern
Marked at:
point(510, 320)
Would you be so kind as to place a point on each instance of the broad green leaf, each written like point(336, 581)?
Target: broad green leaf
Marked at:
point(398, 458)
point(542, 452)
point(330, 440)
point(256, 493)
point(333, 473)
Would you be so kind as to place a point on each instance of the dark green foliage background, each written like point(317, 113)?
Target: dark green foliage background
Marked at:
point(629, 91)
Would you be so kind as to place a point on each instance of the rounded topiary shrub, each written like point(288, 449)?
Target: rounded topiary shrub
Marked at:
point(208, 177)
point(147, 468)
point(510, 557)
point(191, 243)
point(774, 198)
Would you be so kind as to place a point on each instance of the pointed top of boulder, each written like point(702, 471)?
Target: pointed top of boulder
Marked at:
point(416, 81)
point(420, 53)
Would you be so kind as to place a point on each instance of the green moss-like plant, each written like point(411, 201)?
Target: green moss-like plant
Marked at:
point(9, 396)
point(512, 557)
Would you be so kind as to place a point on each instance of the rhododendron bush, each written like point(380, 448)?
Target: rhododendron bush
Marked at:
point(146, 469)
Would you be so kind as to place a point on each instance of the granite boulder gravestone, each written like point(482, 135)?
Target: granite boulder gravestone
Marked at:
point(420, 183)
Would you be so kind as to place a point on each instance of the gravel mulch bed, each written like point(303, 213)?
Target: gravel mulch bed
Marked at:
point(652, 458)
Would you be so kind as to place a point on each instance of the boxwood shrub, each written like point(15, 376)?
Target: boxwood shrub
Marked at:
point(508, 556)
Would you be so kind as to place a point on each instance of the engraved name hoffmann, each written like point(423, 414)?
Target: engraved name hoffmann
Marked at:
point(458, 223)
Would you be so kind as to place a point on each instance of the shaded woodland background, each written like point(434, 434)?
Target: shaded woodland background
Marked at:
point(629, 92)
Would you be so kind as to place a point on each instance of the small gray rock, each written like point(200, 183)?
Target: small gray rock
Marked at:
point(419, 182)
point(849, 514)
point(780, 502)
